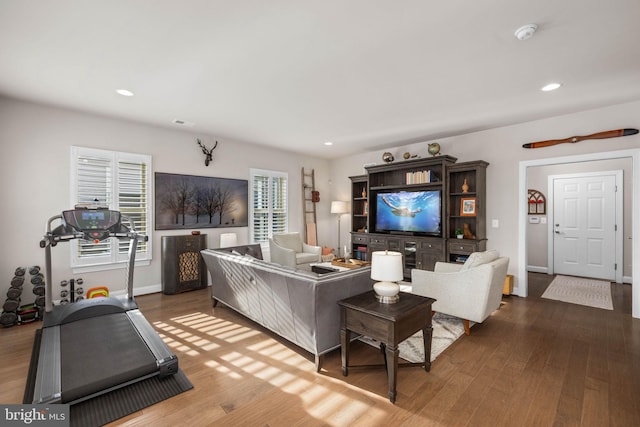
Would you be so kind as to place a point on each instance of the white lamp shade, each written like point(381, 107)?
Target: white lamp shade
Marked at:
point(228, 240)
point(386, 266)
point(339, 207)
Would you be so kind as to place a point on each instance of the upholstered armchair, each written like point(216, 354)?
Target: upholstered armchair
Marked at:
point(289, 249)
point(470, 291)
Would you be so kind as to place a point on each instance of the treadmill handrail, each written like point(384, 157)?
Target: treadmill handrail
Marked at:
point(64, 234)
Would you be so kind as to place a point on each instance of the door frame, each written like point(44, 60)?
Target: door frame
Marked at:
point(634, 155)
point(618, 217)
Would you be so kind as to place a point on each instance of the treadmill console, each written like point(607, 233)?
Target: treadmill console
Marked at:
point(95, 224)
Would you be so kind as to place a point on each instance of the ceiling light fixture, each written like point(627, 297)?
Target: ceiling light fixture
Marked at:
point(328, 143)
point(526, 31)
point(124, 92)
point(551, 86)
point(183, 123)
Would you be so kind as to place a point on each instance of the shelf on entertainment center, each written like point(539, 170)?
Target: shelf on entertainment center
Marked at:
point(467, 194)
point(407, 187)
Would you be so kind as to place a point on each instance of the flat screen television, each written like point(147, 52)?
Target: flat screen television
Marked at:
point(409, 212)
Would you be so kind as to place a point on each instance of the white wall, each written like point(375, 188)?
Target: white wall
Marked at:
point(34, 170)
point(502, 148)
point(35, 164)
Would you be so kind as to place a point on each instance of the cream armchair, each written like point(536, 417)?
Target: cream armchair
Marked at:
point(470, 291)
point(289, 249)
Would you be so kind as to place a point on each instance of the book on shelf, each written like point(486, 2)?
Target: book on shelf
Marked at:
point(418, 177)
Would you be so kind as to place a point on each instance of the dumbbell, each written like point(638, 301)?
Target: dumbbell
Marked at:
point(14, 293)
point(39, 290)
point(40, 301)
point(34, 270)
point(20, 271)
point(11, 304)
point(17, 281)
point(37, 279)
point(8, 318)
point(27, 313)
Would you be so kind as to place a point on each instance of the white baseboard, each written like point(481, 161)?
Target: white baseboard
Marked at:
point(537, 269)
point(151, 289)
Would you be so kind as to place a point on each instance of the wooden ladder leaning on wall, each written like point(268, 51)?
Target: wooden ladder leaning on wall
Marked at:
point(309, 199)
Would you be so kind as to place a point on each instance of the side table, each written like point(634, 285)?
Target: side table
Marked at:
point(388, 323)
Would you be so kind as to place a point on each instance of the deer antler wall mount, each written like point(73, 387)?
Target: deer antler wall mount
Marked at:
point(207, 152)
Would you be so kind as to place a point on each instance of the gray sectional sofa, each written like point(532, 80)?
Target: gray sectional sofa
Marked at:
point(300, 306)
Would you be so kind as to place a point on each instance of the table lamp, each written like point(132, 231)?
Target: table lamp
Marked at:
point(386, 269)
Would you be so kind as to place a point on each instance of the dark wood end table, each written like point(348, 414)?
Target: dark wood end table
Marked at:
point(388, 323)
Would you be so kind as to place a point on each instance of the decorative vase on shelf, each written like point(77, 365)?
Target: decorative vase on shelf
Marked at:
point(465, 186)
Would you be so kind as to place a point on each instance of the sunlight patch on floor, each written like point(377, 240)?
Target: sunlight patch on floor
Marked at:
point(267, 360)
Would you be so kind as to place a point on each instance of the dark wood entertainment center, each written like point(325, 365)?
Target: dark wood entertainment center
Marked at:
point(440, 173)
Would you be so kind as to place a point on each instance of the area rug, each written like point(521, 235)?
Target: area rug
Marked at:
point(578, 290)
point(446, 329)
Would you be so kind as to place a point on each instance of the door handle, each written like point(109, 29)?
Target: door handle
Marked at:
point(557, 231)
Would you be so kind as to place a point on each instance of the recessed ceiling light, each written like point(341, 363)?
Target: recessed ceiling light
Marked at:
point(124, 92)
point(550, 87)
point(328, 143)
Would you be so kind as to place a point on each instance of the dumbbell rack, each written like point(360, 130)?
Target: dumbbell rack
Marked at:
point(13, 311)
point(74, 293)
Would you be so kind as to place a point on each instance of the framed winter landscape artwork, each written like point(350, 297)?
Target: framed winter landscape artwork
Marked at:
point(189, 201)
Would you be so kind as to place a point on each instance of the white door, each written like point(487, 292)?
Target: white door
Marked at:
point(584, 226)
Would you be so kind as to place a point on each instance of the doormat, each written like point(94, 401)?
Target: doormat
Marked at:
point(580, 290)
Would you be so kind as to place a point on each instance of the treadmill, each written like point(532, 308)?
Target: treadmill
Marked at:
point(93, 346)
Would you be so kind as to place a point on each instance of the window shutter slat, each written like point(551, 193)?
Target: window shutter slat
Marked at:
point(121, 182)
point(269, 208)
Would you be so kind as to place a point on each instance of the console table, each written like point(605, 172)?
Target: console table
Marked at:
point(388, 323)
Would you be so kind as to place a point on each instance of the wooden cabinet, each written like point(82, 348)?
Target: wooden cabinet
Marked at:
point(183, 268)
point(359, 203)
point(439, 173)
point(359, 246)
point(359, 217)
point(466, 192)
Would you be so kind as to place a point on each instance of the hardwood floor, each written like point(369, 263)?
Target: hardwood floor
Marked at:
point(535, 362)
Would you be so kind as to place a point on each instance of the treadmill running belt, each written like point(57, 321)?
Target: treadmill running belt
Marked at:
point(101, 352)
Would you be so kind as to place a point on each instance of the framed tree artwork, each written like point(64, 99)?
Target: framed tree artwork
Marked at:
point(189, 201)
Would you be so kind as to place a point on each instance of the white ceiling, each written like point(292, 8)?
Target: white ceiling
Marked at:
point(293, 74)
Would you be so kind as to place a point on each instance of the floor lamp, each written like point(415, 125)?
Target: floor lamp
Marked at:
point(340, 208)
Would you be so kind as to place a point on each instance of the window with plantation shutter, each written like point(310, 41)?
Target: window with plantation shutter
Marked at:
point(269, 205)
point(121, 182)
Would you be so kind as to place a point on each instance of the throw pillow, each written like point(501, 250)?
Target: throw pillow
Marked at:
point(479, 258)
point(326, 250)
